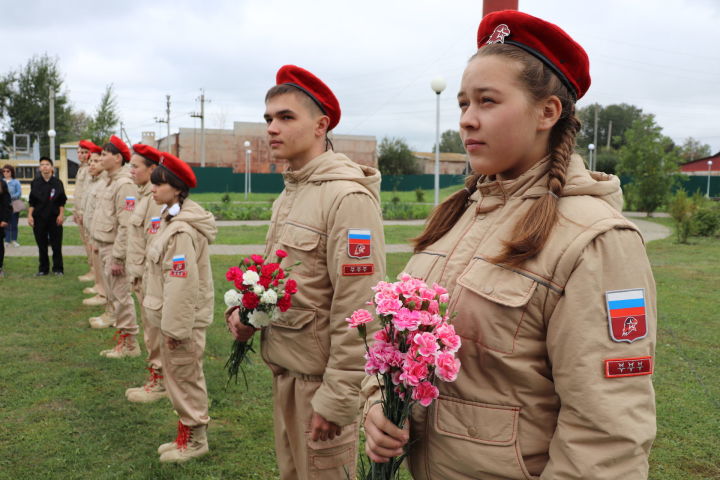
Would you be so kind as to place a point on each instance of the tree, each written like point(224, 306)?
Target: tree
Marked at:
point(106, 118)
point(651, 160)
point(24, 96)
point(395, 157)
point(693, 149)
point(621, 116)
point(451, 142)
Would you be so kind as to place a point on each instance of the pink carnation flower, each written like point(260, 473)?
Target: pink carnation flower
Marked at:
point(447, 366)
point(448, 338)
point(413, 372)
point(406, 320)
point(425, 393)
point(388, 306)
point(359, 317)
point(427, 344)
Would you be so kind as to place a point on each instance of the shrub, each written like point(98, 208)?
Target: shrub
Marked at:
point(420, 195)
point(706, 222)
point(682, 209)
point(405, 211)
point(240, 212)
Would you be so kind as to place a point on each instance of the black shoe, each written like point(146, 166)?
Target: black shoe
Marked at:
point(58, 274)
point(41, 274)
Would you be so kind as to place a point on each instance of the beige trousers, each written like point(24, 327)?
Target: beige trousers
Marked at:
point(298, 456)
point(151, 333)
point(118, 294)
point(100, 283)
point(185, 379)
point(88, 248)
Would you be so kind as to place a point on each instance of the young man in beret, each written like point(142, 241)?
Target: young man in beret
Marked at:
point(81, 181)
point(328, 218)
point(110, 232)
point(46, 216)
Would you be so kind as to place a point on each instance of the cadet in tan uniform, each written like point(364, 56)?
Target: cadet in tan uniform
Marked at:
point(328, 218)
point(553, 291)
point(81, 182)
point(110, 227)
point(179, 298)
point(144, 225)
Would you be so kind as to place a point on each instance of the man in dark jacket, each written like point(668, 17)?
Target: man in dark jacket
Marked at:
point(46, 216)
point(5, 213)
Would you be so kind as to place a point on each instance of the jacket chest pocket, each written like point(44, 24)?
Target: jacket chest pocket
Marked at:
point(491, 305)
point(302, 245)
point(423, 265)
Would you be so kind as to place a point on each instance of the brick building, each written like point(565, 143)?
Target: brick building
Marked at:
point(702, 166)
point(450, 163)
point(225, 147)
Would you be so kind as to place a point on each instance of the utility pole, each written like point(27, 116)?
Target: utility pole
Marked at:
point(595, 136)
point(609, 134)
point(123, 133)
point(166, 120)
point(51, 132)
point(201, 116)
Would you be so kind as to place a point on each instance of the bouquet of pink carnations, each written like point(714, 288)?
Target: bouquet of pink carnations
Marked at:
point(414, 347)
point(263, 291)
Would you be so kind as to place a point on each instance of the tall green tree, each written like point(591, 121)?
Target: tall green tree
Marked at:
point(25, 100)
point(451, 142)
point(106, 119)
point(651, 160)
point(396, 158)
point(693, 149)
point(621, 115)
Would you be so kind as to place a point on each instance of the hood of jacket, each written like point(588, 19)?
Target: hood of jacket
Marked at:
point(581, 181)
point(332, 166)
point(198, 218)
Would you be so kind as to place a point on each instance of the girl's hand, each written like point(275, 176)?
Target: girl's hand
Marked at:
point(383, 439)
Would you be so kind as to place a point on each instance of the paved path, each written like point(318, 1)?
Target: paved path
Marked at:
point(650, 231)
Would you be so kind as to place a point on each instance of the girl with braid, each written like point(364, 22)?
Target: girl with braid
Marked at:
point(552, 290)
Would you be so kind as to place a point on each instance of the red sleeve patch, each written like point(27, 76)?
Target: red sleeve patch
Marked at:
point(628, 367)
point(358, 269)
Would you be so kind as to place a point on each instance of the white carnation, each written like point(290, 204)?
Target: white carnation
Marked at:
point(269, 297)
point(250, 278)
point(258, 289)
point(275, 314)
point(259, 319)
point(232, 298)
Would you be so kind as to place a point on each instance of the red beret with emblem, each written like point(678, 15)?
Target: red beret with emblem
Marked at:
point(88, 145)
point(544, 40)
point(121, 146)
point(179, 168)
point(151, 153)
point(314, 88)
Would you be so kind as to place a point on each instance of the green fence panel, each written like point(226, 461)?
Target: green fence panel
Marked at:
point(412, 182)
point(222, 179)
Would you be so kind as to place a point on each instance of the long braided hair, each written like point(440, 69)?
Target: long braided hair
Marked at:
point(532, 231)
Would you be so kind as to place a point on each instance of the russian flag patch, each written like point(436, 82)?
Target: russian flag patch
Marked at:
point(178, 267)
point(154, 225)
point(359, 243)
point(130, 203)
point(626, 314)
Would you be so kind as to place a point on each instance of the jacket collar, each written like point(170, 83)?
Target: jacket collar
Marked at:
point(302, 175)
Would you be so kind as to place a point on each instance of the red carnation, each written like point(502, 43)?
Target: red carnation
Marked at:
point(291, 286)
point(265, 281)
point(247, 260)
point(268, 269)
point(258, 259)
point(251, 301)
point(281, 274)
point(239, 283)
point(281, 253)
point(285, 302)
point(233, 273)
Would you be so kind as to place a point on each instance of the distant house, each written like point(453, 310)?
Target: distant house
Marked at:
point(701, 166)
point(450, 163)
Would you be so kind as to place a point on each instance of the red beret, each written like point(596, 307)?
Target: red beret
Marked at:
point(546, 41)
point(314, 88)
point(120, 145)
point(151, 153)
point(179, 168)
point(88, 145)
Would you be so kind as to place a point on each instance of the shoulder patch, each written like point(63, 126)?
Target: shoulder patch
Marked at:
point(359, 243)
point(349, 270)
point(628, 367)
point(626, 314)
point(154, 225)
point(178, 267)
point(130, 203)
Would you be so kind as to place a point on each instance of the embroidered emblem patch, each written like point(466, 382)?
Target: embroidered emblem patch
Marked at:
point(359, 243)
point(130, 203)
point(499, 34)
point(349, 270)
point(628, 367)
point(178, 266)
point(626, 314)
point(154, 225)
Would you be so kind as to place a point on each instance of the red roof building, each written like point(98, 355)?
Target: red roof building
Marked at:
point(702, 165)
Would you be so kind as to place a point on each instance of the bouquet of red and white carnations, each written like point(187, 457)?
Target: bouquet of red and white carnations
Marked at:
point(263, 291)
point(414, 347)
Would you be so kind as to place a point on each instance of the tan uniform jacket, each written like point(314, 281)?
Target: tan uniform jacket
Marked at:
point(311, 220)
point(112, 215)
point(90, 200)
point(140, 229)
point(81, 184)
point(178, 280)
point(532, 399)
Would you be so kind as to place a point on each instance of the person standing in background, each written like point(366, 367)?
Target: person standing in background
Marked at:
point(15, 189)
point(46, 216)
point(82, 180)
point(5, 213)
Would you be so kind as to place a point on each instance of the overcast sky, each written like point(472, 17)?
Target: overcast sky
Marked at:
point(378, 56)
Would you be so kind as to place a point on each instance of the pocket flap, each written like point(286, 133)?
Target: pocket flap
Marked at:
point(295, 318)
point(299, 238)
point(476, 422)
point(152, 302)
point(498, 284)
point(136, 221)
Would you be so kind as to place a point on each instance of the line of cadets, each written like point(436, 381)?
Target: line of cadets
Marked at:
point(533, 251)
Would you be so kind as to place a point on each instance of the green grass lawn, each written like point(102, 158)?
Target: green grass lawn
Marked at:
point(64, 415)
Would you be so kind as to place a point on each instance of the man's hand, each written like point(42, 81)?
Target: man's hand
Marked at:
point(3, 224)
point(321, 429)
point(117, 269)
point(79, 220)
point(60, 219)
point(239, 330)
point(31, 221)
point(383, 439)
point(172, 343)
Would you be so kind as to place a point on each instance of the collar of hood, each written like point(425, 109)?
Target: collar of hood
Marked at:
point(198, 218)
point(331, 166)
point(144, 190)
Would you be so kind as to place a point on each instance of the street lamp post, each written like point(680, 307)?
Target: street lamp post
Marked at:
point(591, 160)
point(709, 163)
point(438, 85)
point(247, 168)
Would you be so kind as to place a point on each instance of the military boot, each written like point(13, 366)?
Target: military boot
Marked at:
point(127, 346)
point(95, 301)
point(90, 291)
point(154, 389)
point(88, 277)
point(191, 442)
point(103, 321)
